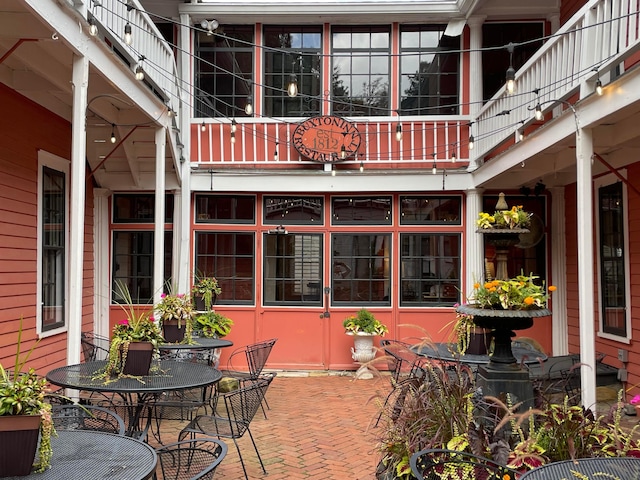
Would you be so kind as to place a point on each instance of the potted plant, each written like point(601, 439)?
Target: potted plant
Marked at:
point(213, 324)
point(134, 340)
point(175, 313)
point(469, 338)
point(24, 415)
point(205, 291)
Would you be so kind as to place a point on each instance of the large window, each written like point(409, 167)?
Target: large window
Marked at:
point(429, 68)
point(361, 269)
point(292, 51)
point(613, 276)
point(293, 210)
point(421, 210)
point(133, 263)
point(293, 269)
point(225, 209)
point(361, 210)
point(53, 245)
point(430, 269)
point(139, 208)
point(224, 71)
point(360, 71)
point(228, 256)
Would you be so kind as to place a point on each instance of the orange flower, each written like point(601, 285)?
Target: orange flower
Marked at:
point(529, 301)
point(552, 288)
point(476, 285)
point(488, 285)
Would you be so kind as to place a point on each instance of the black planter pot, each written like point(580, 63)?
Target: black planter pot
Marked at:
point(172, 331)
point(200, 303)
point(19, 440)
point(138, 361)
point(478, 343)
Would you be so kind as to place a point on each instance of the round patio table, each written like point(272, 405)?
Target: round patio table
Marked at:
point(203, 350)
point(448, 352)
point(200, 343)
point(613, 468)
point(83, 454)
point(136, 392)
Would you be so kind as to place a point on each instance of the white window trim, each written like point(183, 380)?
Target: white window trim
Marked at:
point(46, 159)
point(597, 183)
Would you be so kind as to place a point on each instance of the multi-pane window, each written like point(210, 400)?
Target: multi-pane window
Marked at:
point(293, 210)
point(224, 71)
point(361, 210)
point(429, 67)
point(612, 260)
point(421, 210)
point(139, 208)
point(361, 269)
point(430, 269)
point(292, 52)
point(225, 209)
point(53, 246)
point(229, 257)
point(292, 269)
point(360, 70)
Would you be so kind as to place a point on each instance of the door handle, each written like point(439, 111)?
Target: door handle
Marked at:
point(326, 313)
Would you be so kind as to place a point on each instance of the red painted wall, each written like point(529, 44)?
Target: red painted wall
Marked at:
point(27, 129)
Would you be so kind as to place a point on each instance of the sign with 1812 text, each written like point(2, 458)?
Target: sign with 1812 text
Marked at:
point(321, 139)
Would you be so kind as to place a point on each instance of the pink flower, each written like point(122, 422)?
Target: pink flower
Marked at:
point(163, 295)
point(181, 295)
point(123, 322)
point(635, 400)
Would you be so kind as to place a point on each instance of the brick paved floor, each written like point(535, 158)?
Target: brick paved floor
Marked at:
point(318, 427)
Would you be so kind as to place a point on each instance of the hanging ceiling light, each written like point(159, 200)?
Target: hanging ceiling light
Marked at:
point(113, 133)
point(511, 72)
point(128, 39)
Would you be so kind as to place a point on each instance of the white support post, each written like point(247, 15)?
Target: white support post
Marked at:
point(474, 243)
point(102, 286)
point(475, 69)
point(158, 240)
point(559, 331)
point(584, 152)
point(80, 81)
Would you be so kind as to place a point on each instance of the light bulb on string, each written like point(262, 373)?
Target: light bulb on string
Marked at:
point(139, 73)
point(399, 132)
point(113, 133)
point(510, 77)
point(93, 28)
point(292, 88)
point(361, 166)
point(538, 112)
point(599, 87)
point(471, 142)
point(203, 127)
point(233, 137)
point(234, 125)
point(248, 108)
point(275, 153)
point(128, 39)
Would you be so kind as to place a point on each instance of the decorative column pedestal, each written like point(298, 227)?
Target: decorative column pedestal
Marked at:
point(503, 374)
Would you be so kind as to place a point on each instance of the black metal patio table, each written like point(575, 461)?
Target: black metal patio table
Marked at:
point(611, 468)
point(202, 347)
point(136, 392)
point(84, 454)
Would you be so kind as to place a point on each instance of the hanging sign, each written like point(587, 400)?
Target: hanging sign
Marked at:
point(326, 139)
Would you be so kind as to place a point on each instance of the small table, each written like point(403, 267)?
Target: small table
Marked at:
point(612, 468)
point(167, 375)
point(83, 454)
point(448, 352)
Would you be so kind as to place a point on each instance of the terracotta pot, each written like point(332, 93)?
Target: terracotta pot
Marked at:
point(173, 333)
point(19, 440)
point(138, 361)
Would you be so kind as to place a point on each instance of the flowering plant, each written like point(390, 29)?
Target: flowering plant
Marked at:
point(516, 217)
point(175, 306)
point(205, 288)
point(138, 326)
point(519, 293)
point(364, 322)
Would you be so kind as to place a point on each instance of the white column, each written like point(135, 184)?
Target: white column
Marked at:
point(102, 264)
point(474, 243)
point(158, 240)
point(183, 214)
point(559, 334)
point(475, 73)
point(80, 80)
point(584, 152)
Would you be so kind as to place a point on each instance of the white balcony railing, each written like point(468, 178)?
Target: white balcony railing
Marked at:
point(594, 42)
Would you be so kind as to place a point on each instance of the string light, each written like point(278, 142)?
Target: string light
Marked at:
point(434, 169)
point(113, 133)
point(233, 125)
point(511, 72)
point(275, 153)
point(139, 73)
point(538, 112)
point(399, 132)
point(233, 137)
point(203, 127)
point(361, 166)
point(292, 89)
point(471, 142)
point(248, 108)
point(599, 87)
point(93, 28)
point(453, 155)
point(128, 39)
point(343, 152)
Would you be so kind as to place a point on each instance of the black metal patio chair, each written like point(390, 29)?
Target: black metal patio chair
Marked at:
point(195, 459)
point(235, 411)
point(94, 347)
point(86, 417)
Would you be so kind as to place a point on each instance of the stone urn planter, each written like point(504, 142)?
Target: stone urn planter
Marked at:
point(363, 352)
